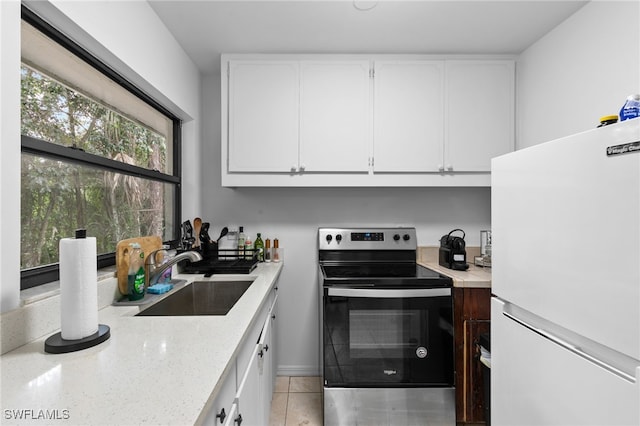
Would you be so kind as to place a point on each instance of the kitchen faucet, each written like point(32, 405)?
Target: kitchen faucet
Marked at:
point(154, 272)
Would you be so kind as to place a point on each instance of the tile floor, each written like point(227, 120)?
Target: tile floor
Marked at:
point(297, 401)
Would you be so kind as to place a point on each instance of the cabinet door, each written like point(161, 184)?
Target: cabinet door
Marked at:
point(273, 316)
point(265, 370)
point(224, 401)
point(480, 113)
point(263, 116)
point(232, 417)
point(248, 395)
point(408, 116)
point(334, 116)
point(471, 318)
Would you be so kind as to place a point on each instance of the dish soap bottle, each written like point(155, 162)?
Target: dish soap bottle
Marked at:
point(135, 277)
point(259, 246)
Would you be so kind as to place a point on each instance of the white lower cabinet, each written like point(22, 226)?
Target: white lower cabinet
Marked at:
point(250, 406)
point(266, 369)
point(232, 418)
point(219, 413)
point(246, 395)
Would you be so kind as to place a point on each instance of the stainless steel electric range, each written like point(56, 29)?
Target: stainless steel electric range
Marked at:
point(386, 330)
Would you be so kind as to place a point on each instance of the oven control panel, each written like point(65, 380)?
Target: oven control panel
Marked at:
point(367, 236)
point(367, 239)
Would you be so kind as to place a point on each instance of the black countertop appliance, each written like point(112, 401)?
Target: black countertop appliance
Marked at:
point(453, 254)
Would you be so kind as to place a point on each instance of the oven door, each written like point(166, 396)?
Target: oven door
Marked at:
point(387, 337)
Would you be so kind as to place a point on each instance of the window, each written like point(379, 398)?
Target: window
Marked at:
point(96, 154)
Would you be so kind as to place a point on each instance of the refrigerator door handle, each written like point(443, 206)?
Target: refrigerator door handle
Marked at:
point(572, 348)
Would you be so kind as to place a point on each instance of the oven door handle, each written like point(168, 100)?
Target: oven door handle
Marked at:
point(388, 293)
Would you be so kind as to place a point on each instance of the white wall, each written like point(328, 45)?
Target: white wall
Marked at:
point(293, 215)
point(9, 154)
point(131, 38)
point(580, 71)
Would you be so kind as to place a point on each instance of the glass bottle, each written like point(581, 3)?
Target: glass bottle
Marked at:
point(276, 250)
point(258, 245)
point(267, 250)
point(241, 239)
point(248, 249)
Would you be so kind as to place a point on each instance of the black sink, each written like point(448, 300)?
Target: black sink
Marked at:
point(200, 298)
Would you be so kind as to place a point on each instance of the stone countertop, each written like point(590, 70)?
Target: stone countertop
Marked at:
point(474, 277)
point(152, 370)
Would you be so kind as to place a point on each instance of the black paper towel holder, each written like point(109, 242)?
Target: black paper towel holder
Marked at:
point(57, 345)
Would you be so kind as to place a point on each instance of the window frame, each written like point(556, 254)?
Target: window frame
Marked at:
point(44, 274)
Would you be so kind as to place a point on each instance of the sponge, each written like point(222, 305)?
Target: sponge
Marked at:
point(159, 288)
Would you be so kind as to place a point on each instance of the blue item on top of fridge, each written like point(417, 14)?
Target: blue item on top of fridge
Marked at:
point(631, 108)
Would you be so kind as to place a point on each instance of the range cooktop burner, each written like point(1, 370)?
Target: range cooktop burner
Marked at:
point(374, 257)
point(379, 270)
point(383, 275)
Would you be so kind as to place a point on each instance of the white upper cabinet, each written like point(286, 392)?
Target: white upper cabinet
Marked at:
point(479, 114)
point(334, 116)
point(409, 116)
point(299, 116)
point(364, 120)
point(263, 116)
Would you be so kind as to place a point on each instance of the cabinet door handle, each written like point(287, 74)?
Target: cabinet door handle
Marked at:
point(302, 167)
point(221, 416)
point(261, 353)
point(441, 167)
point(266, 348)
point(294, 168)
point(449, 167)
point(238, 419)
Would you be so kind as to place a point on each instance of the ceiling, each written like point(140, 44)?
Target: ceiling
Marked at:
point(205, 29)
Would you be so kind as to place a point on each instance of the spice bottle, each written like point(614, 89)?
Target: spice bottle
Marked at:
point(276, 250)
point(267, 250)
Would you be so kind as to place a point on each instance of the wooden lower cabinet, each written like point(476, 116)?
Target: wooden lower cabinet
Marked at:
point(472, 314)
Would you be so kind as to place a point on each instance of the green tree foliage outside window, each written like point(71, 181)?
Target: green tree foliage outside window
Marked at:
point(58, 197)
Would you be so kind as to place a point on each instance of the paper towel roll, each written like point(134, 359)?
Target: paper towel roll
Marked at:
point(78, 288)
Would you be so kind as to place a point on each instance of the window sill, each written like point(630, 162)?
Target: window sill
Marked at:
point(45, 291)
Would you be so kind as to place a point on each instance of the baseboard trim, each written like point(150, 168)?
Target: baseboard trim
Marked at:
point(298, 370)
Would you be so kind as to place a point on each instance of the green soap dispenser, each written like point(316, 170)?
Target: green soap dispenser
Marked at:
point(135, 277)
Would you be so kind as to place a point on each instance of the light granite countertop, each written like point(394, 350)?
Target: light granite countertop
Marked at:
point(152, 370)
point(474, 277)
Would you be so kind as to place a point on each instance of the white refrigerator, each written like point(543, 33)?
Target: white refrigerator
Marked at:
point(565, 311)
